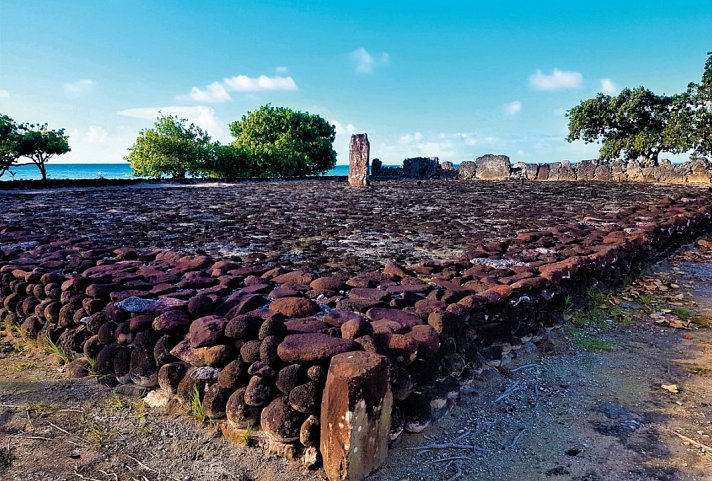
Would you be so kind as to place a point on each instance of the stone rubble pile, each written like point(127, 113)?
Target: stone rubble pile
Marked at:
point(256, 342)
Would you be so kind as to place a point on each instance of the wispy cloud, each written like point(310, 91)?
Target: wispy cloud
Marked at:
point(202, 116)
point(365, 63)
point(79, 87)
point(4, 94)
point(215, 92)
point(512, 108)
point(281, 70)
point(557, 80)
point(218, 92)
point(608, 86)
point(243, 83)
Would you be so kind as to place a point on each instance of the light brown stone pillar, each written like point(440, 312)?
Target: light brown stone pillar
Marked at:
point(359, 151)
point(355, 415)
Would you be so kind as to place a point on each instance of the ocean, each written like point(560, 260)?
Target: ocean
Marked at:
point(97, 171)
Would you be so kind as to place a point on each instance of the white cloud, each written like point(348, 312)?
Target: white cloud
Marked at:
point(79, 87)
point(95, 144)
point(365, 62)
point(512, 108)
point(202, 116)
point(342, 140)
point(243, 83)
point(281, 69)
point(558, 80)
point(608, 86)
point(4, 94)
point(215, 92)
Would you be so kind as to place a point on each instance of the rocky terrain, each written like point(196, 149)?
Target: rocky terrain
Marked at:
point(247, 340)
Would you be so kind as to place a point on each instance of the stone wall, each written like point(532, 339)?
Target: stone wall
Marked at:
point(256, 342)
point(499, 167)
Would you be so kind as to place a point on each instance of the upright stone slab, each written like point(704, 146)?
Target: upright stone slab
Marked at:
point(355, 415)
point(359, 152)
point(492, 167)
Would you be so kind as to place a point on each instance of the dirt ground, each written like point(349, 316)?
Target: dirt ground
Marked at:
point(587, 405)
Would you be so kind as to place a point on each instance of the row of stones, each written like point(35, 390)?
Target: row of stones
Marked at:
point(499, 167)
point(255, 342)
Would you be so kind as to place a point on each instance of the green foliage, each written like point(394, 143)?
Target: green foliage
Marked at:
point(197, 409)
point(639, 123)
point(50, 347)
point(632, 124)
point(229, 162)
point(9, 137)
point(33, 141)
point(172, 148)
point(594, 344)
point(285, 143)
point(38, 143)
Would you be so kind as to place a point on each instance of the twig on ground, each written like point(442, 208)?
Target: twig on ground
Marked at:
point(424, 447)
point(693, 442)
point(40, 438)
point(525, 366)
point(511, 389)
point(450, 458)
point(76, 473)
point(518, 438)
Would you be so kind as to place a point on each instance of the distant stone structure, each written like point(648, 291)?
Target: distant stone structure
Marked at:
point(492, 167)
point(359, 151)
point(498, 167)
point(421, 167)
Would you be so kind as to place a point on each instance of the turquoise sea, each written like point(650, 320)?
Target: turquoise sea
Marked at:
point(97, 171)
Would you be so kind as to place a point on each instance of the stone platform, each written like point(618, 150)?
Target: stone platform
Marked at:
point(254, 335)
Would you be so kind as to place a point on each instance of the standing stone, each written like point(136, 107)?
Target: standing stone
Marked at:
point(492, 167)
point(467, 170)
point(355, 415)
point(359, 152)
point(422, 168)
point(376, 166)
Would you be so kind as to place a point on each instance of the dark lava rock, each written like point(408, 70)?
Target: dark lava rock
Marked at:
point(280, 422)
point(171, 321)
point(258, 391)
point(356, 328)
point(305, 398)
point(243, 327)
point(259, 368)
point(288, 377)
point(215, 400)
point(162, 349)
point(313, 347)
point(233, 374)
point(268, 350)
point(239, 414)
point(250, 351)
point(122, 365)
point(144, 371)
point(294, 307)
point(201, 305)
point(170, 375)
point(207, 331)
point(273, 326)
point(316, 373)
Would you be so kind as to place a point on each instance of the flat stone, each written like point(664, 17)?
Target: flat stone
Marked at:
point(294, 307)
point(312, 347)
point(403, 318)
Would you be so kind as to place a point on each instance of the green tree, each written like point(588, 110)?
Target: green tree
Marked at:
point(697, 116)
point(228, 161)
point(285, 143)
point(171, 148)
point(633, 124)
point(39, 144)
point(8, 143)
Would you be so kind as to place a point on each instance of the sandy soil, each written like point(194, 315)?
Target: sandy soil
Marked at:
point(588, 405)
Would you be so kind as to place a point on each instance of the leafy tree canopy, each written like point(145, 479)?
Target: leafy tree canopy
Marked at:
point(639, 123)
point(38, 143)
point(8, 143)
point(631, 124)
point(283, 142)
point(171, 148)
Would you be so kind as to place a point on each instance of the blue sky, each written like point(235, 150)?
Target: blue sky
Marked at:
point(448, 79)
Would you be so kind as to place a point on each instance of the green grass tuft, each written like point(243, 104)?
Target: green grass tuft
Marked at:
point(197, 409)
point(594, 344)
